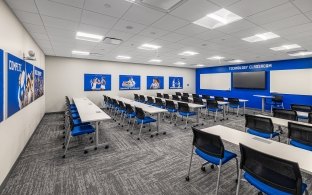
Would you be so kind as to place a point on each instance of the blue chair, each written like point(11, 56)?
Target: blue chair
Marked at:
point(142, 119)
point(300, 135)
point(310, 117)
point(159, 95)
point(136, 98)
point(130, 113)
point(159, 103)
point(175, 97)
point(260, 126)
point(270, 174)
point(150, 101)
point(77, 131)
point(121, 111)
point(166, 96)
point(301, 108)
point(170, 106)
point(184, 111)
point(178, 94)
point(213, 106)
point(210, 148)
point(275, 102)
point(185, 99)
point(234, 104)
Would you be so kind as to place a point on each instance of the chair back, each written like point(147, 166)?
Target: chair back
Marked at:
point(278, 173)
point(121, 105)
point(233, 101)
point(114, 101)
point(142, 98)
point(129, 109)
point(183, 107)
point(175, 97)
point(310, 117)
point(166, 96)
point(170, 104)
point(139, 113)
point(185, 94)
point(105, 98)
point(159, 95)
point(206, 97)
point(159, 102)
point(219, 98)
point(198, 100)
point(178, 94)
point(301, 108)
point(185, 98)
point(208, 143)
point(277, 99)
point(150, 100)
point(301, 133)
point(195, 95)
point(258, 123)
point(136, 97)
point(212, 103)
point(285, 114)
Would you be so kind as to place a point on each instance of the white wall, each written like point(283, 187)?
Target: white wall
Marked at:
point(16, 130)
point(65, 76)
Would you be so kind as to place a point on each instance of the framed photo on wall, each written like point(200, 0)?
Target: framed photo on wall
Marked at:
point(129, 82)
point(39, 82)
point(154, 82)
point(97, 82)
point(1, 85)
point(175, 82)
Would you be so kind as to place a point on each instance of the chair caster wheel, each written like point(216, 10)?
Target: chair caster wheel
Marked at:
point(236, 180)
point(203, 168)
point(121, 125)
point(184, 127)
point(118, 123)
point(92, 142)
point(156, 134)
point(85, 152)
point(63, 156)
point(187, 178)
point(260, 193)
point(212, 166)
point(95, 148)
point(130, 133)
point(63, 147)
point(127, 129)
point(149, 129)
point(170, 123)
point(138, 138)
point(152, 136)
point(164, 133)
point(63, 144)
point(106, 147)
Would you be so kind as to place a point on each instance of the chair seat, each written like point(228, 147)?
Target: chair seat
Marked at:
point(75, 115)
point(261, 134)
point(268, 189)
point(214, 160)
point(73, 106)
point(187, 113)
point(172, 110)
point(301, 145)
point(77, 122)
point(214, 109)
point(80, 130)
point(146, 119)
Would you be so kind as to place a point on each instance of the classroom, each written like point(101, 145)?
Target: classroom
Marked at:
point(155, 97)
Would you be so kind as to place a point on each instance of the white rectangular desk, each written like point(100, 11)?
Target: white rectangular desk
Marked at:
point(146, 108)
point(263, 97)
point(274, 148)
point(89, 112)
point(283, 122)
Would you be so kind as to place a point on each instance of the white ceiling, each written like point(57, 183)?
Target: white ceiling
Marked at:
point(54, 23)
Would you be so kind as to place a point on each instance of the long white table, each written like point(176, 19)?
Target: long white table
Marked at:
point(89, 112)
point(146, 108)
point(274, 148)
point(282, 122)
point(263, 97)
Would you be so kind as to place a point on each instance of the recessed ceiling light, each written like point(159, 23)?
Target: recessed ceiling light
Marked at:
point(236, 61)
point(300, 53)
point(286, 47)
point(215, 58)
point(147, 46)
point(188, 53)
point(261, 37)
point(120, 57)
point(89, 37)
point(216, 19)
point(180, 63)
point(155, 60)
point(83, 53)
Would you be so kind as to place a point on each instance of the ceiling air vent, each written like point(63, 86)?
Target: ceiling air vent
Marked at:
point(160, 5)
point(113, 41)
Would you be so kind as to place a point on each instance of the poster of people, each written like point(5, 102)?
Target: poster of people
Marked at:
point(129, 82)
point(175, 82)
point(1, 85)
point(39, 82)
point(17, 86)
point(97, 82)
point(29, 82)
point(155, 82)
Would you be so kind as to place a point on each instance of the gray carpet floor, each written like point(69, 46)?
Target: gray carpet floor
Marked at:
point(150, 166)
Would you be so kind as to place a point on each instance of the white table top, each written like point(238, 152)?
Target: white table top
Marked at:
point(303, 114)
point(274, 148)
point(263, 96)
point(191, 105)
point(146, 108)
point(88, 111)
point(282, 122)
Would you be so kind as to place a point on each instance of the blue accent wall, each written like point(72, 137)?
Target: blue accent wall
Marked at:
point(255, 102)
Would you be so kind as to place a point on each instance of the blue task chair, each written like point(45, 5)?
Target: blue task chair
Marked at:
point(185, 94)
point(300, 135)
point(301, 108)
point(72, 106)
point(210, 148)
point(142, 99)
point(219, 98)
point(195, 95)
point(75, 131)
point(260, 126)
point(121, 110)
point(213, 106)
point(270, 174)
point(310, 117)
point(175, 97)
point(198, 100)
point(115, 108)
point(159, 95)
point(142, 119)
point(136, 98)
point(150, 101)
point(184, 111)
point(234, 104)
point(275, 102)
point(166, 96)
point(178, 94)
point(159, 103)
point(130, 114)
point(105, 101)
point(205, 97)
point(185, 99)
point(170, 106)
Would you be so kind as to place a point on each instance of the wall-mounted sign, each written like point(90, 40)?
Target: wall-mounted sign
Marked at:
point(250, 67)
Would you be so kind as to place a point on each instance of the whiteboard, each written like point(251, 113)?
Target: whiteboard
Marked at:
point(298, 81)
point(218, 81)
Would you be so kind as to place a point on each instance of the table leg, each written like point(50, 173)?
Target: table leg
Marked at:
point(262, 105)
point(244, 103)
point(158, 118)
point(96, 145)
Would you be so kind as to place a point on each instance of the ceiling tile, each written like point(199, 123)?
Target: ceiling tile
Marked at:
point(128, 27)
point(287, 22)
point(34, 28)
point(173, 37)
point(210, 34)
point(59, 23)
point(191, 30)
point(96, 19)
point(74, 3)
point(119, 35)
point(170, 23)
point(58, 10)
point(236, 26)
point(40, 36)
point(153, 32)
point(31, 18)
point(303, 5)
point(224, 3)
point(92, 29)
point(115, 8)
point(24, 5)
